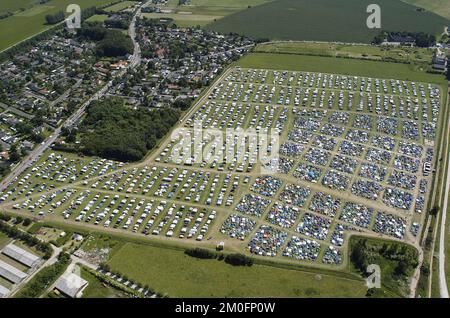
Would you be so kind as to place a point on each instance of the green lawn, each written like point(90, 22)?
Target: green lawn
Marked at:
point(32, 21)
point(98, 18)
point(339, 66)
point(173, 273)
point(120, 6)
point(15, 5)
point(97, 289)
point(326, 20)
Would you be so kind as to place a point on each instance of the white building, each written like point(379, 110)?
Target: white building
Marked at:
point(11, 273)
point(20, 255)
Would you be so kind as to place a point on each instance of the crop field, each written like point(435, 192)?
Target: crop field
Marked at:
point(202, 12)
point(25, 24)
point(351, 160)
point(326, 20)
point(440, 7)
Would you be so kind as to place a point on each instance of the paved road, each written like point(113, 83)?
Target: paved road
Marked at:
point(16, 111)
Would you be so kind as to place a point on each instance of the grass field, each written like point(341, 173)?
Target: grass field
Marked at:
point(15, 5)
point(339, 66)
point(400, 54)
point(120, 6)
point(326, 20)
point(97, 289)
point(32, 21)
point(441, 7)
point(202, 12)
point(98, 18)
point(178, 275)
point(3, 240)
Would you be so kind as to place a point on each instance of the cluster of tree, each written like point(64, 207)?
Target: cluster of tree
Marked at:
point(232, 259)
point(45, 278)
point(54, 18)
point(364, 253)
point(121, 21)
point(201, 253)
point(27, 238)
point(5, 15)
point(182, 104)
point(421, 39)
point(110, 43)
point(114, 131)
point(238, 260)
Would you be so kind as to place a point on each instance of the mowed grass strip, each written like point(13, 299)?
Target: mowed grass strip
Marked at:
point(173, 273)
point(339, 66)
point(326, 20)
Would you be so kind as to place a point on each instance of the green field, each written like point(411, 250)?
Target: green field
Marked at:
point(98, 18)
point(16, 5)
point(202, 12)
point(30, 22)
point(397, 54)
point(97, 289)
point(441, 7)
point(3, 240)
point(120, 6)
point(173, 273)
point(326, 20)
point(338, 66)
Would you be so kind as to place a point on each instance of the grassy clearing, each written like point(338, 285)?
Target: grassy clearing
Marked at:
point(4, 239)
point(120, 6)
point(183, 20)
point(98, 18)
point(32, 20)
point(404, 54)
point(326, 20)
point(339, 66)
point(178, 275)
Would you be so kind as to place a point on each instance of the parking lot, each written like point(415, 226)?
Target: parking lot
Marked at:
point(352, 157)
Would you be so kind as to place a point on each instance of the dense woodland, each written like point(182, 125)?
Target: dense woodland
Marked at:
point(110, 43)
point(114, 131)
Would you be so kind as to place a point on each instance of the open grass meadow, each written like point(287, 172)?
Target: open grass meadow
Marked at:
point(370, 52)
point(441, 7)
point(339, 66)
point(173, 273)
point(31, 21)
point(326, 20)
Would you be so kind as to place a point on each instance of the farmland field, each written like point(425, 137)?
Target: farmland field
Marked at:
point(341, 66)
point(31, 21)
point(173, 273)
point(441, 7)
point(400, 54)
point(202, 12)
point(326, 20)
